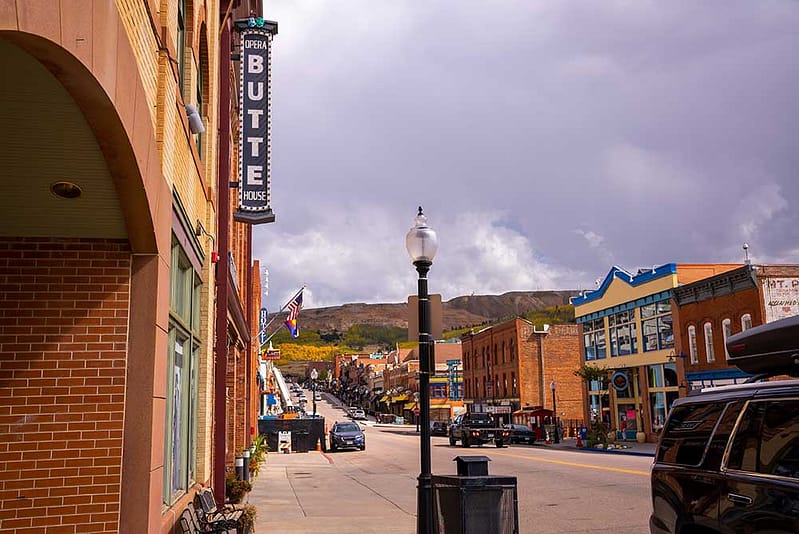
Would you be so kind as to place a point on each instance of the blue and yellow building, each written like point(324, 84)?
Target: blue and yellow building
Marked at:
point(627, 329)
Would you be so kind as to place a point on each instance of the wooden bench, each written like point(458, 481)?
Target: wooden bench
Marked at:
point(205, 501)
point(194, 521)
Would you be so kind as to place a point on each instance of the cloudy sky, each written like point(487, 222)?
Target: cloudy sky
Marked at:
point(547, 141)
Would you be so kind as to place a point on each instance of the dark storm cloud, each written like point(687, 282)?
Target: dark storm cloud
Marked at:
point(546, 141)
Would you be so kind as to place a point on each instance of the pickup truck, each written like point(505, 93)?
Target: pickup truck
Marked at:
point(476, 429)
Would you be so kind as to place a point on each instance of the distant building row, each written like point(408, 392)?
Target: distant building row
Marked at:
point(658, 334)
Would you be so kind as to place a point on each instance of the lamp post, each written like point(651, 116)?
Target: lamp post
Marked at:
point(314, 376)
point(554, 412)
point(422, 244)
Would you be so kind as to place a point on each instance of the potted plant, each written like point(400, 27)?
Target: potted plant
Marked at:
point(236, 489)
point(247, 521)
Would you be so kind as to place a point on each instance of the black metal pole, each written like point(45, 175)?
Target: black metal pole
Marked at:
point(314, 398)
point(424, 504)
point(555, 416)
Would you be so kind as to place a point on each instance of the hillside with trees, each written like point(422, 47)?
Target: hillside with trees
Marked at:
point(325, 332)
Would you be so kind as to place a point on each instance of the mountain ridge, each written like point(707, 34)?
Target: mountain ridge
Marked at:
point(458, 312)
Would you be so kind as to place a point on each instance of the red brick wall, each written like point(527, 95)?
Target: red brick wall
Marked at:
point(535, 357)
point(63, 346)
point(714, 310)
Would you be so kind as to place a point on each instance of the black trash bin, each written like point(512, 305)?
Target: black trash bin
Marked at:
point(474, 502)
point(300, 441)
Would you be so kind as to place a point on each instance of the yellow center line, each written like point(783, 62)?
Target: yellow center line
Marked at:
point(575, 464)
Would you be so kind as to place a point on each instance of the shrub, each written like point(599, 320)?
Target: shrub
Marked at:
point(236, 489)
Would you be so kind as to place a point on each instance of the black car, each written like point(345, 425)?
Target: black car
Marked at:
point(347, 435)
point(439, 428)
point(521, 434)
point(728, 457)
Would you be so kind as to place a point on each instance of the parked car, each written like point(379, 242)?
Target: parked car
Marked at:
point(317, 396)
point(347, 435)
point(439, 428)
point(728, 457)
point(520, 434)
point(359, 414)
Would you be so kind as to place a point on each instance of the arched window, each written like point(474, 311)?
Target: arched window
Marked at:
point(692, 349)
point(746, 322)
point(711, 356)
point(726, 331)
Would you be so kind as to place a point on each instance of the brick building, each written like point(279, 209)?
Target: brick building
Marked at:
point(112, 381)
point(708, 311)
point(512, 365)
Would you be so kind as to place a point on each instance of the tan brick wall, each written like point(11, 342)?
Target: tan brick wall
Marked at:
point(561, 358)
point(63, 342)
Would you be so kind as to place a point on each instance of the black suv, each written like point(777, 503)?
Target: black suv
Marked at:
point(728, 457)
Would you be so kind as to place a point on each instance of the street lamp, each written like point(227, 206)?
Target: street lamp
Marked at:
point(554, 412)
point(314, 376)
point(422, 245)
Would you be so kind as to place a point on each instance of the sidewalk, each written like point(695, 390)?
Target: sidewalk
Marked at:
point(304, 493)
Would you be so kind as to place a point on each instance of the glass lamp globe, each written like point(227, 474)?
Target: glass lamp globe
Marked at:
point(421, 241)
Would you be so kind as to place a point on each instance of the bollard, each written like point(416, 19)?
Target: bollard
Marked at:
point(239, 468)
point(246, 464)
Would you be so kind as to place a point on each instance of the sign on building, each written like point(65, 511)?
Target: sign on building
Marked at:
point(255, 123)
point(780, 298)
point(273, 354)
point(263, 318)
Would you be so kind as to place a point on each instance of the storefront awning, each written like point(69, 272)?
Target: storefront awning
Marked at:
point(409, 406)
point(384, 398)
point(399, 398)
point(441, 406)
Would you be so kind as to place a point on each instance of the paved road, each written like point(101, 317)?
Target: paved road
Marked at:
point(374, 491)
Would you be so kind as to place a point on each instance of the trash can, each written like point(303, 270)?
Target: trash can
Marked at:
point(473, 502)
point(300, 441)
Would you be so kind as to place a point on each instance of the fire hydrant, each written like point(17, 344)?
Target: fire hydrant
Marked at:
point(579, 441)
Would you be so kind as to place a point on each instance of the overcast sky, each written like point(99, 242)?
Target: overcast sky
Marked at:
point(547, 141)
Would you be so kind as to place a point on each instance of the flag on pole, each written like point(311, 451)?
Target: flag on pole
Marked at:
point(294, 309)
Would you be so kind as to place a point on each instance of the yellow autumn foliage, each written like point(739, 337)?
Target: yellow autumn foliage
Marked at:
point(290, 352)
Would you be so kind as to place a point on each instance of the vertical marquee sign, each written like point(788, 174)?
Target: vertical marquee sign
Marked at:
point(255, 121)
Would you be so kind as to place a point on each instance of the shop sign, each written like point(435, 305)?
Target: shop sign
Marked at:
point(255, 119)
point(273, 354)
point(263, 318)
point(619, 381)
point(498, 409)
point(781, 298)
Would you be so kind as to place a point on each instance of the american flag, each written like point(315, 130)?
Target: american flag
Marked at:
point(291, 321)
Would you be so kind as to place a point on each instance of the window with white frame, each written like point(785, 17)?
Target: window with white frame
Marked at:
point(746, 322)
point(692, 347)
point(726, 331)
point(711, 356)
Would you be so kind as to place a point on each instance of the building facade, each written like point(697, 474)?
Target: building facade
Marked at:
point(111, 223)
point(710, 310)
point(513, 365)
point(628, 330)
